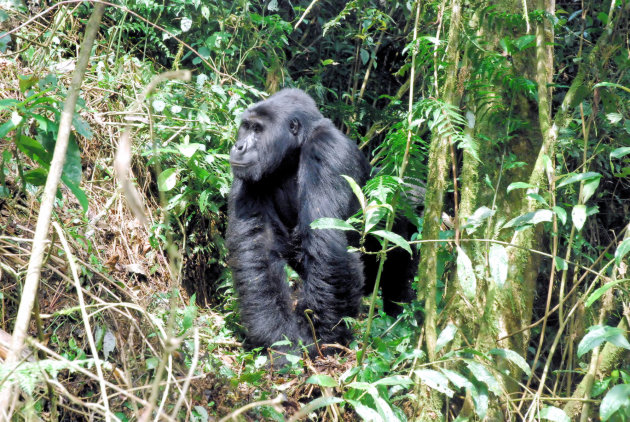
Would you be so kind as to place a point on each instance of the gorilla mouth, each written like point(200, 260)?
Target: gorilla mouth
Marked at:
point(239, 164)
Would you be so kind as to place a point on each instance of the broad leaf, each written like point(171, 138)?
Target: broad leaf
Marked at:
point(530, 218)
point(561, 213)
point(435, 380)
point(618, 398)
point(513, 357)
point(555, 414)
point(519, 185)
point(396, 239)
point(620, 152)
point(477, 218)
point(572, 178)
point(167, 179)
point(578, 215)
point(357, 191)
point(498, 260)
point(445, 337)
point(598, 334)
point(331, 223)
point(323, 380)
point(483, 375)
point(600, 291)
point(622, 250)
point(466, 274)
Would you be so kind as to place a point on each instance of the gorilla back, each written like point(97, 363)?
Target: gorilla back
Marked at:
point(287, 164)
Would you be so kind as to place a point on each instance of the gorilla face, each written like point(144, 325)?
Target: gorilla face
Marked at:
point(271, 132)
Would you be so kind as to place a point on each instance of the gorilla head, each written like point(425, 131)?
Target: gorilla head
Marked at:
point(272, 131)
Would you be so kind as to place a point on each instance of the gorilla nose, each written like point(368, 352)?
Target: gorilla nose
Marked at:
point(239, 147)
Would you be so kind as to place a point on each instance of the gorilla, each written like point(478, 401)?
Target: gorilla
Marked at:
point(287, 164)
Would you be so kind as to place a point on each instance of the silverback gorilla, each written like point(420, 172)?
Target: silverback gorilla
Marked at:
point(287, 164)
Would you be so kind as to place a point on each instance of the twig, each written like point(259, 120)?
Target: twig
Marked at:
point(85, 317)
point(43, 222)
point(272, 402)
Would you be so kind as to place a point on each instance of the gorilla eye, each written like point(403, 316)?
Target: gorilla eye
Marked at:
point(294, 126)
point(257, 128)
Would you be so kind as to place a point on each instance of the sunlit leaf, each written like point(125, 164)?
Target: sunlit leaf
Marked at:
point(323, 380)
point(498, 260)
point(598, 334)
point(445, 336)
point(572, 178)
point(519, 185)
point(555, 414)
point(561, 213)
point(578, 215)
point(357, 191)
point(167, 179)
point(618, 398)
point(483, 375)
point(622, 250)
point(331, 223)
point(396, 239)
point(434, 380)
point(530, 218)
point(600, 291)
point(513, 357)
point(466, 274)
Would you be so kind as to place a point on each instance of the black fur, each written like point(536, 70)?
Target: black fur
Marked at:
point(287, 165)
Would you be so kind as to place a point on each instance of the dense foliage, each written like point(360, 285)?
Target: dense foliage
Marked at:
point(513, 116)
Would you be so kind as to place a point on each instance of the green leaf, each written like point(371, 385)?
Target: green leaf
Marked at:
point(618, 398)
point(612, 85)
point(188, 150)
point(477, 218)
point(622, 250)
point(77, 191)
point(530, 218)
point(365, 56)
point(589, 189)
point(578, 215)
point(561, 213)
point(600, 291)
point(323, 380)
point(34, 150)
point(555, 414)
point(366, 413)
point(151, 363)
point(524, 42)
point(331, 223)
point(445, 336)
point(374, 213)
point(36, 177)
point(394, 380)
point(598, 334)
point(466, 274)
point(167, 179)
point(6, 128)
point(396, 239)
point(357, 191)
point(435, 380)
point(620, 152)
point(513, 357)
point(519, 185)
point(498, 260)
point(82, 127)
point(483, 375)
point(561, 264)
point(572, 178)
point(456, 378)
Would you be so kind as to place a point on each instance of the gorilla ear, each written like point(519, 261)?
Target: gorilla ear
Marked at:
point(294, 126)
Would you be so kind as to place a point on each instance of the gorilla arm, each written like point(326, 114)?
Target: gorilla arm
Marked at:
point(333, 278)
point(255, 245)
